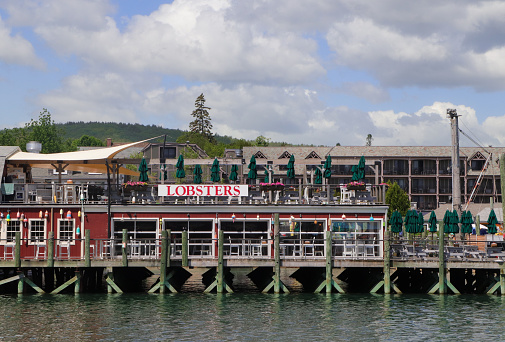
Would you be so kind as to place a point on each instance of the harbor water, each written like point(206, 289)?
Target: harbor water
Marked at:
point(251, 317)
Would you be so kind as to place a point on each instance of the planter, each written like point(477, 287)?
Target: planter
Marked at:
point(135, 188)
point(271, 187)
point(356, 187)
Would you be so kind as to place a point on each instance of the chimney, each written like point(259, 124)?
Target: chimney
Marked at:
point(109, 142)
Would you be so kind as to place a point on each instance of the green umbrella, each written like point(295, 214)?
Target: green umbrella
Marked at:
point(361, 168)
point(354, 170)
point(253, 174)
point(432, 221)
point(411, 222)
point(234, 173)
point(214, 171)
point(396, 222)
point(319, 176)
point(446, 220)
point(143, 171)
point(266, 180)
point(290, 173)
point(466, 222)
point(197, 172)
point(454, 222)
point(492, 221)
point(327, 167)
point(180, 173)
point(420, 223)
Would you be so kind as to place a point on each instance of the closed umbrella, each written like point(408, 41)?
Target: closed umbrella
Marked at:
point(214, 171)
point(492, 221)
point(411, 222)
point(396, 222)
point(197, 174)
point(446, 220)
point(143, 171)
point(361, 168)
point(319, 176)
point(432, 223)
point(466, 222)
point(266, 180)
point(252, 168)
point(420, 223)
point(354, 170)
point(234, 173)
point(290, 173)
point(327, 167)
point(180, 173)
point(454, 222)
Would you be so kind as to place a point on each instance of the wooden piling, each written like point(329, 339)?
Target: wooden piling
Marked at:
point(87, 248)
point(502, 280)
point(77, 283)
point(17, 250)
point(124, 249)
point(277, 255)
point(387, 263)
point(442, 289)
point(220, 263)
point(163, 261)
point(50, 251)
point(169, 246)
point(329, 262)
point(185, 248)
point(20, 280)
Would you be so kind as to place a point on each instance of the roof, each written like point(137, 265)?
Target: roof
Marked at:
point(481, 209)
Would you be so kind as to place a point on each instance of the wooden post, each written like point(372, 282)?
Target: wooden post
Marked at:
point(387, 263)
point(87, 248)
point(477, 224)
point(17, 250)
point(20, 281)
point(169, 246)
point(124, 249)
point(329, 262)
point(185, 248)
point(163, 262)
point(50, 250)
point(220, 263)
point(277, 255)
point(502, 281)
point(441, 261)
point(77, 285)
point(110, 275)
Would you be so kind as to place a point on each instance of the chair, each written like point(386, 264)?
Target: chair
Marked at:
point(135, 248)
point(9, 252)
point(40, 251)
point(308, 248)
point(64, 249)
point(297, 249)
point(348, 249)
point(234, 248)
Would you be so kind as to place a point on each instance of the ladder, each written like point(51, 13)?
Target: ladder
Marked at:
point(479, 180)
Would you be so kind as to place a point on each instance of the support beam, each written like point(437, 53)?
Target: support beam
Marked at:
point(387, 263)
point(277, 255)
point(50, 250)
point(77, 286)
point(185, 248)
point(87, 248)
point(220, 262)
point(17, 250)
point(441, 260)
point(111, 283)
point(329, 262)
point(65, 285)
point(125, 247)
point(163, 261)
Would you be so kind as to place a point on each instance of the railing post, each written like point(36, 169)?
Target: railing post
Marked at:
point(124, 248)
point(220, 262)
point(329, 262)
point(277, 255)
point(441, 261)
point(87, 248)
point(163, 262)
point(50, 250)
point(17, 250)
point(387, 262)
point(185, 248)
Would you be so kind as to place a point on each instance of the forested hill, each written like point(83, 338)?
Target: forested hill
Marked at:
point(119, 132)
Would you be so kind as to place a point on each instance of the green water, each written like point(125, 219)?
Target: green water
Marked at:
point(251, 317)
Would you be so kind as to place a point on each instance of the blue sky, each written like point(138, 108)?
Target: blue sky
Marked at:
point(314, 72)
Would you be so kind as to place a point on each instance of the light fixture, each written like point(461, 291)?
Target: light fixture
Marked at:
point(315, 220)
point(343, 217)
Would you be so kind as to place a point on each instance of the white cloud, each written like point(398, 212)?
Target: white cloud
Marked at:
point(14, 49)
point(365, 90)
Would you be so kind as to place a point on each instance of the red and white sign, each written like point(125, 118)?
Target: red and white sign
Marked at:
point(203, 190)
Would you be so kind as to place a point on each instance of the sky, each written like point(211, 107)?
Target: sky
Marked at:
point(303, 72)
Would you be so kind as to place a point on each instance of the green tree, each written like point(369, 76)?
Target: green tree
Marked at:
point(262, 141)
point(369, 140)
point(397, 199)
point(201, 124)
point(87, 140)
point(45, 131)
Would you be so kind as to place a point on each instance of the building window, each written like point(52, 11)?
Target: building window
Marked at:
point(11, 228)
point(66, 230)
point(168, 152)
point(37, 232)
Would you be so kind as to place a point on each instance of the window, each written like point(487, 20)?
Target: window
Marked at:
point(168, 152)
point(37, 232)
point(12, 227)
point(66, 230)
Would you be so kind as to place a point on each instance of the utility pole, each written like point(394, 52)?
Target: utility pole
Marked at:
point(456, 180)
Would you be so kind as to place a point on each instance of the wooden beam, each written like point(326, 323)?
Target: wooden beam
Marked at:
point(65, 285)
point(112, 284)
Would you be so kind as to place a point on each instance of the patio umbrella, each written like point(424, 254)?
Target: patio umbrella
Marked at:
point(411, 221)
point(234, 173)
point(361, 168)
point(214, 171)
point(491, 223)
point(290, 173)
point(446, 220)
point(143, 171)
point(180, 173)
point(454, 222)
point(252, 168)
point(354, 170)
point(327, 167)
point(197, 172)
point(266, 180)
point(396, 222)
point(432, 221)
point(420, 222)
point(466, 222)
point(319, 176)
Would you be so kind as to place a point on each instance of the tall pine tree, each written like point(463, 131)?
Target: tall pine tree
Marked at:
point(201, 124)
